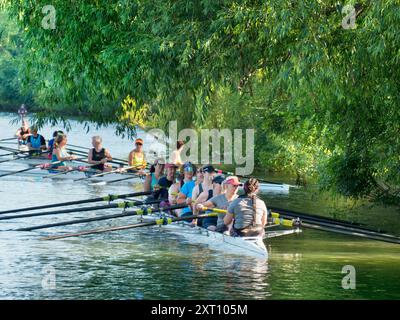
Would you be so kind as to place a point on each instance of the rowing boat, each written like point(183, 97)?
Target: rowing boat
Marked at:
point(40, 173)
point(250, 246)
point(72, 175)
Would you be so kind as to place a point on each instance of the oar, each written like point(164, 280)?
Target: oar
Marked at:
point(332, 227)
point(7, 154)
point(122, 205)
point(114, 160)
point(102, 174)
point(23, 170)
point(108, 198)
point(8, 139)
point(143, 211)
point(122, 179)
point(12, 150)
point(247, 177)
point(302, 215)
point(160, 221)
point(51, 176)
point(275, 220)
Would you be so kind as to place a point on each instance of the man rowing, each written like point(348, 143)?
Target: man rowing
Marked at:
point(98, 156)
point(36, 143)
point(228, 193)
point(60, 154)
point(23, 133)
point(136, 156)
point(248, 213)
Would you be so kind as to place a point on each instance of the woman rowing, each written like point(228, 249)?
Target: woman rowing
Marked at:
point(204, 191)
point(50, 146)
point(248, 213)
point(136, 157)
point(60, 154)
point(161, 189)
point(98, 156)
point(229, 193)
point(156, 172)
point(185, 194)
point(23, 133)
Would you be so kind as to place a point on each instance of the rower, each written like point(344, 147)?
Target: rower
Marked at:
point(36, 143)
point(23, 133)
point(248, 212)
point(60, 154)
point(204, 191)
point(156, 172)
point(228, 193)
point(161, 189)
point(185, 194)
point(98, 156)
point(50, 147)
point(176, 154)
point(136, 156)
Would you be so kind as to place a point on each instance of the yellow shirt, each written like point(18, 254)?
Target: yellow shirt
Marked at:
point(138, 160)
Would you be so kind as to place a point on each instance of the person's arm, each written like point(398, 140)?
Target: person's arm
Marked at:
point(173, 157)
point(108, 155)
point(57, 152)
point(181, 198)
point(264, 218)
point(18, 134)
point(26, 135)
point(90, 157)
point(147, 183)
point(172, 193)
point(207, 204)
point(230, 214)
point(195, 192)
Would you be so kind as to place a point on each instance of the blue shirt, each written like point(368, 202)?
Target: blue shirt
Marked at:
point(187, 190)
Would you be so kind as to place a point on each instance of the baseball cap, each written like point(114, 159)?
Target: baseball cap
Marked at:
point(139, 141)
point(218, 179)
point(233, 180)
point(209, 169)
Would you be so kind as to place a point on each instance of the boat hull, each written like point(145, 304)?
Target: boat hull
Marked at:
point(248, 246)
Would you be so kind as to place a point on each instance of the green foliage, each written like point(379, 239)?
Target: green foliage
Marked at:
point(323, 99)
point(10, 47)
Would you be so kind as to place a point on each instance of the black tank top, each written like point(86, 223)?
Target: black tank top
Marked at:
point(210, 192)
point(22, 132)
point(98, 156)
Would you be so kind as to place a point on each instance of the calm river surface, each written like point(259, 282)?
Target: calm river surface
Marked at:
point(149, 264)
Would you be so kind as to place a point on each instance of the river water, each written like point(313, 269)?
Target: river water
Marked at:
point(148, 263)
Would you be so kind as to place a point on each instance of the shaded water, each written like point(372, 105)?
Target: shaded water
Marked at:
point(152, 264)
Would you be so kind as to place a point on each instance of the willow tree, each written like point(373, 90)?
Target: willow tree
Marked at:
point(319, 82)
